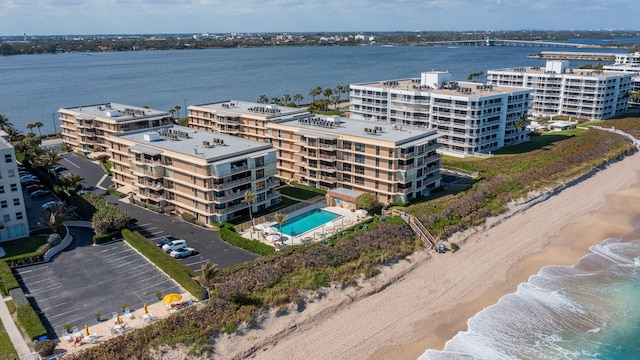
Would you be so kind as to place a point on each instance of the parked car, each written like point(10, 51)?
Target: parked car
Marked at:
point(51, 204)
point(39, 193)
point(32, 188)
point(165, 240)
point(28, 178)
point(183, 252)
point(29, 181)
point(173, 245)
point(57, 168)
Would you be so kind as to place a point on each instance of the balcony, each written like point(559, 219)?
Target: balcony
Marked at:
point(231, 183)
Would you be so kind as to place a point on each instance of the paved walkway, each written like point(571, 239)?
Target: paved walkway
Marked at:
point(14, 334)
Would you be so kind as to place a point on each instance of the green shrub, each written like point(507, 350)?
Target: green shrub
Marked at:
point(7, 280)
point(11, 306)
point(179, 272)
point(54, 239)
point(227, 233)
point(188, 217)
point(28, 258)
point(105, 238)
point(45, 347)
point(30, 322)
point(454, 247)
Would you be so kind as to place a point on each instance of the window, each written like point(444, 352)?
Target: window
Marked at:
point(260, 197)
point(377, 150)
point(8, 158)
point(6, 218)
point(260, 161)
point(260, 185)
point(14, 187)
point(360, 147)
point(259, 174)
point(11, 173)
point(346, 167)
point(3, 204)
point(16, 201)
point(19, 215)
point(360, 158)
point(1, 189)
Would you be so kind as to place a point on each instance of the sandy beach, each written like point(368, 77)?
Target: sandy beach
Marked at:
point(422, 303)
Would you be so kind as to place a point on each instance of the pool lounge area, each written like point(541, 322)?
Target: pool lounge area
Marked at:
point(309, 224)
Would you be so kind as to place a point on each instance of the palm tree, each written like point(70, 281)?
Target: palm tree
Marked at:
point(285, 99)
point(335, 100)
point(71, 182)
point(521, 123)
point(30, 128)
point(338, 91)
point(297, 98)
point(315, 91)
point(249, 196)
point(280, 218)
point(4, 122)
point(55, 216)
point(48, 159)
point(38, 124)
point(208, 273)
point(274, 100)
point(177, 107)
point(13, 134)
point(263, 99)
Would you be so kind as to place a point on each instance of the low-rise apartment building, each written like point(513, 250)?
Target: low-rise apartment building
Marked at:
point(245, 119)
point(13, 214)
point(86, 128)
point(393, 163)
point(472, 118)
point(578, 93)
point(199, 172)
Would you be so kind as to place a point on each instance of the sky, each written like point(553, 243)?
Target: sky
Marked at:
point(94, 17)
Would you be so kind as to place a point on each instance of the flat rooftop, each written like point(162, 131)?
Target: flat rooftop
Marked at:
point(200, 144)
point(234, 107)
point(455, 87)
point(117, 112)
point(340, 127)
point(572, 71)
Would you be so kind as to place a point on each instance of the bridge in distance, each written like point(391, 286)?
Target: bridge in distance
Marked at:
point(522, 43)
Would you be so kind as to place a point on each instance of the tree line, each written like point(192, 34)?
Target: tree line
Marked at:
point(332, 96)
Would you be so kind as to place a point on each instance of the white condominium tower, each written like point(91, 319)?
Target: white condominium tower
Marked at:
point(472, 118)
point(579, 93)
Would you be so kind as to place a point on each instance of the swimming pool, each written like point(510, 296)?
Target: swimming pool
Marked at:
point(307, 221)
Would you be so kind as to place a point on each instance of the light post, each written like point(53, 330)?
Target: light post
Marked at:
point(185, 108)
point(53, 118)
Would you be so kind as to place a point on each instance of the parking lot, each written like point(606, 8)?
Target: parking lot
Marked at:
point(84, 279)
point(155, 226)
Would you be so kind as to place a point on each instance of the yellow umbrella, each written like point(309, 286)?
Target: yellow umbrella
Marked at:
point(86, 329)
point(118, 321)
point(145, 309)
point(169, 298)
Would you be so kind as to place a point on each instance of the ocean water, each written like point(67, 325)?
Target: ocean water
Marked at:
point(587, 311)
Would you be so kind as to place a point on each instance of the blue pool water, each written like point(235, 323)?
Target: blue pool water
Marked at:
point(307, 221)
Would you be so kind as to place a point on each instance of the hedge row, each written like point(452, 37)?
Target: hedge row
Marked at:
point(30, 322)
point(105, 238)
point(228, 234)
point(7, 280)
point(179, 272)
point(28, 258)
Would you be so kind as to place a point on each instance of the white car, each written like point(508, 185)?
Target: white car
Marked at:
point(183, 252)
point(51, 204)
point(174, 245)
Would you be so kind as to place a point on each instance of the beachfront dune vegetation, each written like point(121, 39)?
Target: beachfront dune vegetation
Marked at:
point(241, 294)
point(559, 159)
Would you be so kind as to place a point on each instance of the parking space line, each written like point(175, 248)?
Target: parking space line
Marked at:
point(100, 182)
point(71, 162)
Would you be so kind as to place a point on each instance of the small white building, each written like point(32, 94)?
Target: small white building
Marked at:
point(13, 214)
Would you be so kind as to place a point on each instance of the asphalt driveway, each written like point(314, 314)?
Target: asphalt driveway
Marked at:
point(84, 279)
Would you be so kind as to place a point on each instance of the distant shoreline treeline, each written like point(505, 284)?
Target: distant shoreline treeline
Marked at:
point(17, 45)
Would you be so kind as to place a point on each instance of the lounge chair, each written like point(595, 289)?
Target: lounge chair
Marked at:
point(128, 313)
point(66, 336)
point(76, 332)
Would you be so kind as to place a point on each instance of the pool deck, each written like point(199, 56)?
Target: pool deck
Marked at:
point(346, 218)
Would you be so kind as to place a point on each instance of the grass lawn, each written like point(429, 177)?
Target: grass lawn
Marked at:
point(8, 351)
point(538, 142)
point(23, 246)
point(284, 202)
point(297, 192)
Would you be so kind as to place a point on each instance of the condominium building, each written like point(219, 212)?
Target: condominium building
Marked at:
point(355, 156)
point(629, 63)
point(472, 118)
point(14, 223)
point(560, 90)
point(199, 172)
point(240, 118)
point(86, 128)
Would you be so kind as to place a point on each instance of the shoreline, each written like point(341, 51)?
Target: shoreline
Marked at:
point(432, 300)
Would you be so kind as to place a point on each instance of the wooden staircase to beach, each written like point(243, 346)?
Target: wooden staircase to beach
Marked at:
point(419, 229)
